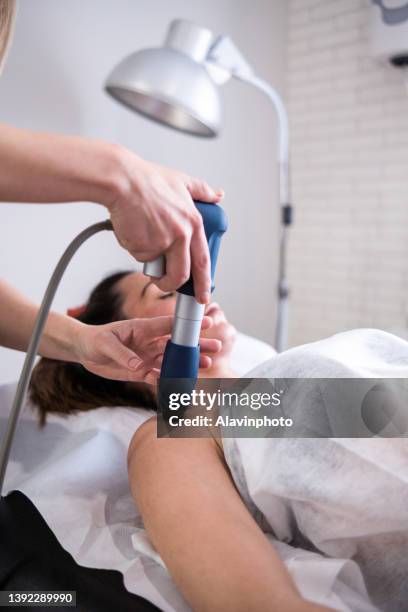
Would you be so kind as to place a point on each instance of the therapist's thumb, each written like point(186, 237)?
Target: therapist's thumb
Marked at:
point(200, 190)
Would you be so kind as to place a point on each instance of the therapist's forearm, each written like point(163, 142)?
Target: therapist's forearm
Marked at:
point(57, 168)
point(17, 319)
point(151, 207)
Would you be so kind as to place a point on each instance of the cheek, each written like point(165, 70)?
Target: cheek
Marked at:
point(160, 308)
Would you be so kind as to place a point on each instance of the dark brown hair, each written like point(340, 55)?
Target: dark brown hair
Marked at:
point(65, 388)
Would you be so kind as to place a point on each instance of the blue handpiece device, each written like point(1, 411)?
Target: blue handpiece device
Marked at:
point(182, 354)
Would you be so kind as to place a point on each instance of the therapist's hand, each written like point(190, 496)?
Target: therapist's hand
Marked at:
point(153, 214)
point(131, 350)
point(151, 206)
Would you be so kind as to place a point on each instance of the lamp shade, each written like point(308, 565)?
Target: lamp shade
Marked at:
point(170, 87)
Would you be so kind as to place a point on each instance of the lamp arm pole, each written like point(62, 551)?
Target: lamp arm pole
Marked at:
point(281, 332)
point(224, 60)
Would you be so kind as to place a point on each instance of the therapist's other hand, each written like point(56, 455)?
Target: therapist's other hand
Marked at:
point(132, 350)
point(153, 213)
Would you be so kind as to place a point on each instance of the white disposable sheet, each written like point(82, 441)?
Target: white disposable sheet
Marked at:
point(343, 502)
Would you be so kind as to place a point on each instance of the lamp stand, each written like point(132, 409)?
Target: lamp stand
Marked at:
point(224, 61)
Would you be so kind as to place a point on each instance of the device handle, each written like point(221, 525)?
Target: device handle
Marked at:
point(215, 224)
point(181, 358)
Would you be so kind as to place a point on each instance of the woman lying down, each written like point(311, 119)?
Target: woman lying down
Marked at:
point(256, 524)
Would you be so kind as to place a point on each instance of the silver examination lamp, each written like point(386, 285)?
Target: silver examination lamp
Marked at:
point(177, 85)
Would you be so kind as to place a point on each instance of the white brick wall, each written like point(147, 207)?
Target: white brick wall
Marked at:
point(348, 261)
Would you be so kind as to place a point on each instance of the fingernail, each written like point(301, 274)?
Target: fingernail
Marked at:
point(220, 193)
point(133, 363)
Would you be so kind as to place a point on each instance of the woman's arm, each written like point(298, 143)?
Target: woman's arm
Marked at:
point(124, 350)
point(41, 167)
point(151, 207)
point(17, 318)
point(216, 553)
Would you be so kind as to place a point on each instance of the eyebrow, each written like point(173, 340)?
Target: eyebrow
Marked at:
point(145, 287)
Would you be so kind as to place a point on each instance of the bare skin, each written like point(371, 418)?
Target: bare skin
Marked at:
point(151, 206)
point(152, 212)
point(142, 298)
point(129, 350)
point(215, 552)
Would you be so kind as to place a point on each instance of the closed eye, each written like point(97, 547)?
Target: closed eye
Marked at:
point(166, 295)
